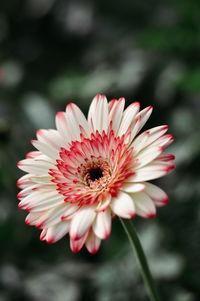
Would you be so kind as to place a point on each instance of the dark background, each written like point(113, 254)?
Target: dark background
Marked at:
point(54, 52)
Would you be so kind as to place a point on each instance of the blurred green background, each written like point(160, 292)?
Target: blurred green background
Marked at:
point(56, 51)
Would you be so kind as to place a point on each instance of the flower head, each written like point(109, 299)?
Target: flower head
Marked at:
point(89, 170)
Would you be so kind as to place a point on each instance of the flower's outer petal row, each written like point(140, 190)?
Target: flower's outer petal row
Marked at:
point(81, 222)
point(129, 116)
point(92, 243)
point(116, 112)
point(102, 224)
point(123, 205)
point(144, 205)
point(158, 195)
point(98, 118)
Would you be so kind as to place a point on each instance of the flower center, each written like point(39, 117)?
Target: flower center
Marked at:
point(95, 174)
point(92, 168)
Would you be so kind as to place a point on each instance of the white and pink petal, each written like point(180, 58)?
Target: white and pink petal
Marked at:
point(81, 222)
point(92, 243)
point(57, 232)
point(144, 205)
point(158, 195)
point(123, 205)
point(102, 224)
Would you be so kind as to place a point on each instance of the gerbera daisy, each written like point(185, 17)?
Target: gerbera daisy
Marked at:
point(89, 170)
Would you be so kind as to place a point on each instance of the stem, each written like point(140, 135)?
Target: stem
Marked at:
point(136, 245)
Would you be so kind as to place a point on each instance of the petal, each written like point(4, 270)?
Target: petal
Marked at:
point(155, 133)
point(144, 114)
point(24, 181)
point(92, 243)
point(26, 191)
point(57, 232)
point(123, 205)
point(35, 166)
point(115, 114)
point(163, 141)
point(63, 127)
point(39, 201)
point(144, 205)
point(33, 217)
point(130, 187)
point(129, 116)
point(104, 204)
point(75, 119)
point(32, 155)
point(98, 114)
point(76, 245)
point(52, 138)
point(45, 149)
point(151, 172)
point(158, 195)
point(139, 142)
point(81, 222)
point(69, 211)
point(147, 155)
point(43, 234)
point(102, 224)
point(51, 217)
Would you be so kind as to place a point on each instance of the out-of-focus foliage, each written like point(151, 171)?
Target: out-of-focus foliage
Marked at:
point(56, 51)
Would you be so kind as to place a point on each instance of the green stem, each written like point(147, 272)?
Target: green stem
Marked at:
point(136, 245)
